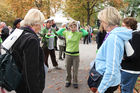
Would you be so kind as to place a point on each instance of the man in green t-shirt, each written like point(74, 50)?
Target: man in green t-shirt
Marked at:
point(48, 35)
point(72, 51)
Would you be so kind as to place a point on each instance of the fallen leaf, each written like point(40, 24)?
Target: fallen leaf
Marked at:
point(58, 83)
point(58, 88)
point(80, 80)
point(51, 86)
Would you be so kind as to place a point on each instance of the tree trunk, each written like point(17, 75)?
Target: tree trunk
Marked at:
point(132, 14)
point(88, 14)
point(48, 7)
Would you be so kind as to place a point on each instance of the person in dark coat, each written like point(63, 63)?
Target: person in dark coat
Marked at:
point(29, 55)
point(100, 36)
point(16, 24)
point(131, 65)
point(4, 33)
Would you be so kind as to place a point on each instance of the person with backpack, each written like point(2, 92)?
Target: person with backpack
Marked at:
point(29, 55)
point(131, 64)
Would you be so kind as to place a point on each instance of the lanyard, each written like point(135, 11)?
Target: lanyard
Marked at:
point(106, 36)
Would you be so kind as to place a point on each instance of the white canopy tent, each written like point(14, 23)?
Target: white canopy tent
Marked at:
point(59, 18)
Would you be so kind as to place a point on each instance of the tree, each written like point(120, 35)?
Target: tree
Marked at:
point(132, 9)
point(20, 7)
point(119, 4)
point(90, 5)
point(82, 10)
point(6, 13)
point(86, 10)
point(55, 6)
point(44, 6)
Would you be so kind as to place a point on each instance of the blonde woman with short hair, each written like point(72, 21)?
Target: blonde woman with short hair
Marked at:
point(110, 54)
point(29, 55)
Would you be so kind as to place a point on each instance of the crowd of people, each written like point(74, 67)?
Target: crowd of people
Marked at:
point(110, 69)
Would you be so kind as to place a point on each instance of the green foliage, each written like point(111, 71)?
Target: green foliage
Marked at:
point(6, 13)
point(12, 9)
point(83, 10)
point(132, 9)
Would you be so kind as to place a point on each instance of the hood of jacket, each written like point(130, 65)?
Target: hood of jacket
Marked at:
point(122, 32)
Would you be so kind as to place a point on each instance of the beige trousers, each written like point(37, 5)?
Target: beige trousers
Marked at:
point(72, 61)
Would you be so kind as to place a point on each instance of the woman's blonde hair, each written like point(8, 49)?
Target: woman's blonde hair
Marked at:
point(110, 15)
point(33, 17)
point(101, 28)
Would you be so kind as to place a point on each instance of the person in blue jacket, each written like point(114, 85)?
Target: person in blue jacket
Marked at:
point(110, 54)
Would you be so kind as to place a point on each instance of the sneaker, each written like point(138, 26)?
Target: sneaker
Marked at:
point(75, 85)
point(67, 84)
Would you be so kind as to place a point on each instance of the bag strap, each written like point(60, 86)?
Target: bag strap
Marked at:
point(11, 39)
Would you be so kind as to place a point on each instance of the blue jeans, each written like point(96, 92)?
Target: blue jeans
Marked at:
point(128, 81)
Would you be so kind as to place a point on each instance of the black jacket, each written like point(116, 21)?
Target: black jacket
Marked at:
point(4, 33)
point(30, 60)
point(99, 38)
point(133, 62)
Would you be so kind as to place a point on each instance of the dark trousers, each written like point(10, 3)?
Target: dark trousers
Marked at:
point(55, 38)
point(52, 54)
point(61, 51)
point(85, 39)
point(111, 89)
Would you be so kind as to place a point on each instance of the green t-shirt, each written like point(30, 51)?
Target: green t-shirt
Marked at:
point(0, 40)
point(72, 40)
point(44, 34)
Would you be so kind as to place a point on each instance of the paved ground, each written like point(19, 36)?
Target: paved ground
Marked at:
point(55, 79)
